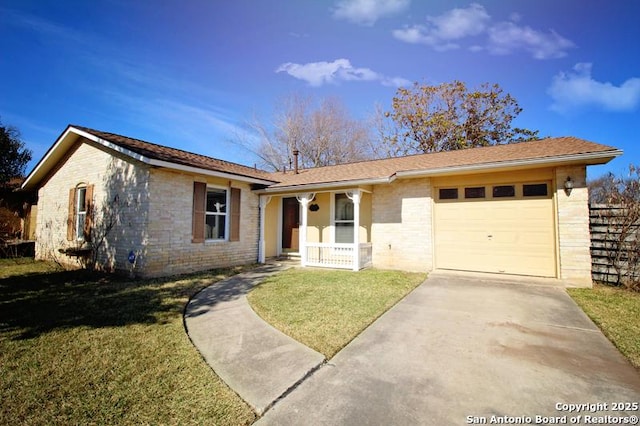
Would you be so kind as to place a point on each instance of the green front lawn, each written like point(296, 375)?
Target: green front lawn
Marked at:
point(79, 348)
point(326, 309)
point(617, 312)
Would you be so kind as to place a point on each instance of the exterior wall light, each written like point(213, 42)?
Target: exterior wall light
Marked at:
point(314, 207)
point(568, 186)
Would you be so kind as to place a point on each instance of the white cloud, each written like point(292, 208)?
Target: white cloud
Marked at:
point(395, 81)
point(367, 12)
point(442, 30)
point(507, 37)
point(577, 89)
point(449, 30)
point(319, 73)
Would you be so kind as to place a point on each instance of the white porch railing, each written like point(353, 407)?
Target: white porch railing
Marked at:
point(337, 255)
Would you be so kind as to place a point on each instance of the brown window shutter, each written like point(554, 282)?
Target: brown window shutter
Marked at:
point(199, 204)
point(71, 218)
point(234, 233)
point(88, 220)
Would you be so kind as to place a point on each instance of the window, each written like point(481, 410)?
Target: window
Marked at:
point(216, 214)
point(474, 192)
point(448, 193)
point(81, 212)
point(535, 190)
point(503, 191)
point(344, 221)
point(79, 220)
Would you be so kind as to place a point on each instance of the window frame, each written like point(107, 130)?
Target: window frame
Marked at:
point(81, 212)
point(513, 186)
point(470, 195)
point(536, 184)
point(226, 214)
point(449, 190)
point(336, 222)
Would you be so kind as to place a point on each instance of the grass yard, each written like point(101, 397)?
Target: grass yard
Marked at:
point(326, 309)
point(617, 312)
point(80, 348)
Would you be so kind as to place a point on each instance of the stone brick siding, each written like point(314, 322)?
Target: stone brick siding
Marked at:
point(169, 249)
point(573, 229)
point(154, 219)
point(401, 230)
point(119, 186)
point(152, 210)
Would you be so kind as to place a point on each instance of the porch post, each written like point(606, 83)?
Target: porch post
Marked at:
point(304, 200)
point(355, 198)
point(264, 200)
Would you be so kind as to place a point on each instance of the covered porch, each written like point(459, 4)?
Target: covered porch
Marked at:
point(329, 229)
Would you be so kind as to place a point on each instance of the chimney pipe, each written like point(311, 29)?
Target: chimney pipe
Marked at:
point(295, 160)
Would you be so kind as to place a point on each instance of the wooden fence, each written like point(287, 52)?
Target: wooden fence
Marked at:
point(605, 224)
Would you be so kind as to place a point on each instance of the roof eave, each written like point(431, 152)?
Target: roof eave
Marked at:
point(53, 155)
point(207, 172)
point(601, 157)
point(40, 170)
point(584, 158)
point(325, 185)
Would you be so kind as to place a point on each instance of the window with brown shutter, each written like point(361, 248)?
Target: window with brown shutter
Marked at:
point(234, 226)
point(216, 213)
point(80, 213)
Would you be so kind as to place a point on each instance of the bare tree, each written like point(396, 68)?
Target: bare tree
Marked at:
point(600, 189)
point(386, 141)
point(622, 217)
point(322, 131)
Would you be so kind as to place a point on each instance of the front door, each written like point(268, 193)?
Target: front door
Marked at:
point(290, 224)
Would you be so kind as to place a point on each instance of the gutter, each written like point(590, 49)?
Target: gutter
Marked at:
point(326, 185)
point(513, 163)
point(181, 167)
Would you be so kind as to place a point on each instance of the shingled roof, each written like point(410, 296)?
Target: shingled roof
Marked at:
point(177, 156)
point(544, 151)
point(562, 148)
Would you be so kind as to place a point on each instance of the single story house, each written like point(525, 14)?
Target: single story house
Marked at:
point(153, 210)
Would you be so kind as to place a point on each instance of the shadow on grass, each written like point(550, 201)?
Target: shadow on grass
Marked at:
point(35, 303)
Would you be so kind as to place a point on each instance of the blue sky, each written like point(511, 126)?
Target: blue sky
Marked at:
point(190, 73)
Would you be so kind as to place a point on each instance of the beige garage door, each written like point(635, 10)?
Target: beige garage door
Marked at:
point(504, 228)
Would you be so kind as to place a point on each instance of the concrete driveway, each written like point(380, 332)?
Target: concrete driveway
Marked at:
point(460, 346)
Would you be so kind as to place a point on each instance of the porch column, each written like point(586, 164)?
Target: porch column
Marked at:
point(304, 200)
point(355, 198)
point(264, 200)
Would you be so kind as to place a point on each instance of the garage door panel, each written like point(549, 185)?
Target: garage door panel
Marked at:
point(515, 236)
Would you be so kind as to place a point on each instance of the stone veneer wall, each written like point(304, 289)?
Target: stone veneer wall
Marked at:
point(119, 185)
point(573, 226)
point(401, 230)
point(169, 249)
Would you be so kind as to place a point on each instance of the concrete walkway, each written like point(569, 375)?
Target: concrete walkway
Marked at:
point(257, 361)
point(458, 350)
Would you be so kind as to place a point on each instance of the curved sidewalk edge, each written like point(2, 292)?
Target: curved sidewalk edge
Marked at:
point(257, 361)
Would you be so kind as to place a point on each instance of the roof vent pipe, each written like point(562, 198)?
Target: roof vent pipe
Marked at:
point(295, 160)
